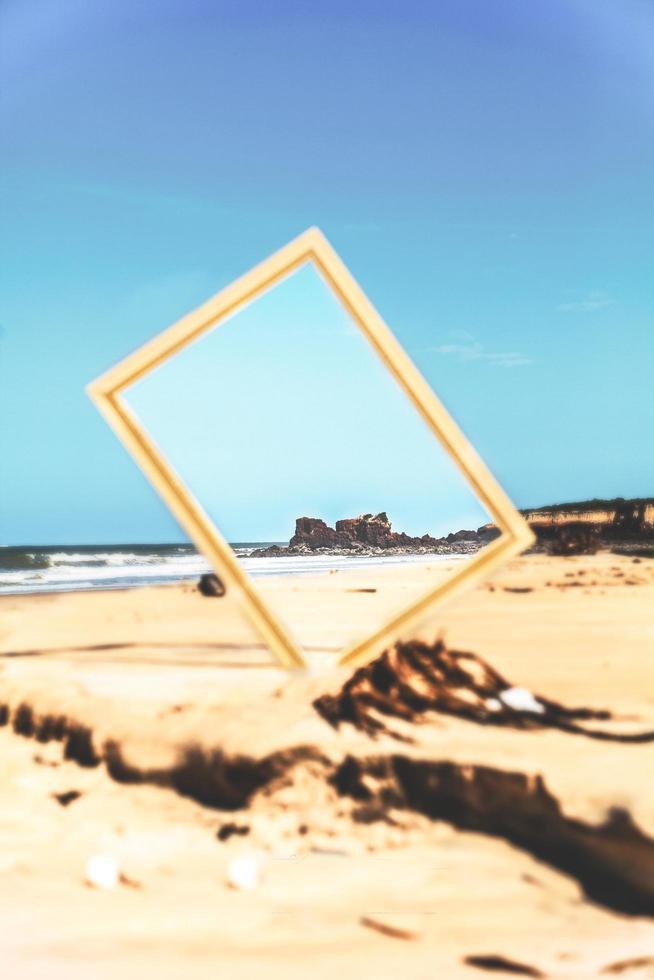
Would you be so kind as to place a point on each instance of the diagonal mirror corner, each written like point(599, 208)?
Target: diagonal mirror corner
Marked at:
point(291, 436)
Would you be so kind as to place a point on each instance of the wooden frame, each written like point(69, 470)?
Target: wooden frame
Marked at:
point(311, 246)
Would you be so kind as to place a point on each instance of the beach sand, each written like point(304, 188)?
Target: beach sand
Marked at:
point(407, 854)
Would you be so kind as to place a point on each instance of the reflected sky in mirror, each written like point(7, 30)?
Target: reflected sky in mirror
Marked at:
point(285, 410)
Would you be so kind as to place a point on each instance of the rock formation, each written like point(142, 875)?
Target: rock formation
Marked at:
point(635, 516)
point(371, 534)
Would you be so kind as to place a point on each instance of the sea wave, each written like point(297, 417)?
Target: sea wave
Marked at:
point(61, 569)
point(83, 569)
point(11, 558)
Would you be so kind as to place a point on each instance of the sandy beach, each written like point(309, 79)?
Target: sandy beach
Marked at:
point(150, 725)
point(326, 503)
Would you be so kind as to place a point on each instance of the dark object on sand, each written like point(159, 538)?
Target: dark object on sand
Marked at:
point(625, 966)
point(229, 829)
point(501, 964)
point(387, 928)
point(67, 797)
point(211, 586)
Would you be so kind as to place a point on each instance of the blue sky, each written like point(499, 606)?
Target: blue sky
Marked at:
point(286, 410)
point(484, 168)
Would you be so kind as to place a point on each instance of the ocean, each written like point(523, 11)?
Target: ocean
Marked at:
point(85, 567)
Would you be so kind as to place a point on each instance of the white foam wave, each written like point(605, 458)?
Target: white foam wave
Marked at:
point(114, 558)
point(102, 570)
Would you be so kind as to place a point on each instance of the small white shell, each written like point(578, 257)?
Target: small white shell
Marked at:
point(102, 871)
point(520, 699)
point(244, 872)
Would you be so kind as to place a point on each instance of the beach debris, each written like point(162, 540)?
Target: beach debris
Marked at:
point(501, 964)
point(65, 799)
point(230, 829)
point(412, 681)
point(626, 966)
point(129, 882)
point(409, 681)
point(40, 760)
point(102, 872)
point(520, 699)
point(396, 926)
point(244, 872)
point(415, 679)
point(211, 586)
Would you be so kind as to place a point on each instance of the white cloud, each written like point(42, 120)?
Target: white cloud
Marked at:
point(476, 352)
point(590, 304)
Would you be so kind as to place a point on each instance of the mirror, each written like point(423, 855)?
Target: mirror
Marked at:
point(305, 452)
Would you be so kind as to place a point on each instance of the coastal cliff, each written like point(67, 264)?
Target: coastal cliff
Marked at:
point(635, 514)
point(583, 527)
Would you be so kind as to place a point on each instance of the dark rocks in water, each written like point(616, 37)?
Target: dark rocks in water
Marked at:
point(501, 964)
point(211, 586)
point(371, 534)
point(462, 536)
point(274, 550)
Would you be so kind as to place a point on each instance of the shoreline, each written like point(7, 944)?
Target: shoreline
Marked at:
point(113, 577)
